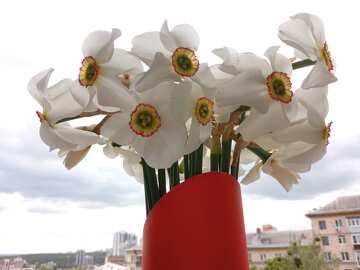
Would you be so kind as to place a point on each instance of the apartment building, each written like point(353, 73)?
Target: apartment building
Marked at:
point(337, 227)
point(268, 243)
point(134, 258)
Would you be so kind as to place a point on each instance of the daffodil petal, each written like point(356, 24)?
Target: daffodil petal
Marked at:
point(258, 124)
point(100, 45)
point(185, 36)
point(111, 93)
point(122, 62)
point(76, 136)
point(315, 24)
point(73, 158)
point(159, 71)
point(319, 76)
point(117, 129)
point(147, 45)
point(302, 131)
point(80, 94)
point(278, 61)
point(297, 34)
point(247, 88)
point(253, 174)
point(165, 147)
point(50, 138)
point(313, 155)
point(315, 98)
point(284, 176)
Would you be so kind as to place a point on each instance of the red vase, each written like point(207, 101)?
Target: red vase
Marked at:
point(199, 224)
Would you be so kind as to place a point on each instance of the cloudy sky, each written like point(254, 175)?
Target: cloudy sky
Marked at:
point(45, 208)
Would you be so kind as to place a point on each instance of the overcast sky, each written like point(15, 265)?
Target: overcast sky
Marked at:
point(45, 208)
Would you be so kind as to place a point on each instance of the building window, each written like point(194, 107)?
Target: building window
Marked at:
point(357, 256)
point(325, 240)
point(342, 239)
point(322, 225)
point(354, 221)
point(278, 255)
point(263, 257)
point(356, 239)
point(345, 256)
point(339, 223)
point(327, 256)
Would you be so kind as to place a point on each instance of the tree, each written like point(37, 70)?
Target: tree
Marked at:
point(301, 258)
point(278, 263)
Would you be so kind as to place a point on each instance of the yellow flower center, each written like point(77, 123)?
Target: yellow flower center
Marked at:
point(42, 116)
point(326, 56)
point(326, 133)
point(125, 79)
point(89, 71)
point(279, 87)
point(204, 110)
point(145, 120)
point(184, 62)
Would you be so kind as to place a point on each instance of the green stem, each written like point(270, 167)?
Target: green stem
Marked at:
point(150, 182)
point(226, 149)
point(235, 171)
point(225, 155)
point(259, 151)
point(174, 176)
point(303, 63)
point(162, 182)
point(214, 161)
point(146, 188)
point(186, 167)
point(175, 168)
point(199, 159)
point(193, 163)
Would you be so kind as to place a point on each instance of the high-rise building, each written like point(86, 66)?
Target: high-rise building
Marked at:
point(122, 241)
point(337, 227)
point(80, 258)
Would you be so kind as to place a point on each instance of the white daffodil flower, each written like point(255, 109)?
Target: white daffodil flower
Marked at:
point(203, 110)
point(152, 124)
point(305, 32)
point(312, 133)
point(274, 167)
point(260, 84)
point(263, 85)
point(171, 56)
point(106, 71)
point(131, 160)
point(60, 101)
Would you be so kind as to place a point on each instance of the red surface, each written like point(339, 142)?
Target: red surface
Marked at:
point(198, 225)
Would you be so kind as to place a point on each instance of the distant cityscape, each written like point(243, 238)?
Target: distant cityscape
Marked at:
point(335, 228)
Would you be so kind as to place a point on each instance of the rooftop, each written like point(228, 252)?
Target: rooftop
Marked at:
point(278, 239)
point(343, 204)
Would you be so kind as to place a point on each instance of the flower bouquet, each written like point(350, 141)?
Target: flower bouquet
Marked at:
point(184, 129)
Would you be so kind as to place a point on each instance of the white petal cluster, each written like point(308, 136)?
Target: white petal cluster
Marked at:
point(160, 102)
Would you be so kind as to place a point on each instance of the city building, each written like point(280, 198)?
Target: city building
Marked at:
point(88, 260)
point(134, 258)
point(80, 258)
point(111, 266)
point(337, 227)
point(16, 263)
point(4, 264)
point(268, 243)
point(122, 241)
point(121, 260)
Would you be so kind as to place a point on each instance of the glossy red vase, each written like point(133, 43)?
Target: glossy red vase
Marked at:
point(199, 224)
